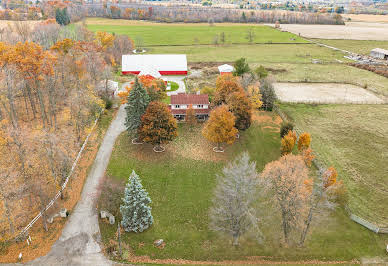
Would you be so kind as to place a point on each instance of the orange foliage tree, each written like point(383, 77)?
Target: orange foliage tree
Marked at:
point(220, 126)
point(286, 179)
point(191, 119)
point(104, 39)
point(288, 142)
point(304, 141)
point(158, 126)
point(225, 86)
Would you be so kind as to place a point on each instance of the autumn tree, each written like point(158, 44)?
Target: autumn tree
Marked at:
point(268, 93)
point(241, 107)
point(191, 119)
point(255, 96)
point(156, 88)
point(288, 142)
point(304, 141)
point(286, 179)
point(158, 126)
point(233, 212)
point(326, 192)
point(137, 103)
point(225, 86)
point(104, 39)
point(220, 128)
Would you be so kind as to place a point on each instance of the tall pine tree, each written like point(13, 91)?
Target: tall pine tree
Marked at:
point(137, 103)
point(135, 210)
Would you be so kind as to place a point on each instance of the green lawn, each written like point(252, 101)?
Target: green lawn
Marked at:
point(355, 46)
point(263, 53)
point(353, 138)
point(180, 183)
point(189, 34)
point(174, 86)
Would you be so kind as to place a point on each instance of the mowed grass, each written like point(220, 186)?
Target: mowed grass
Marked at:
point(263, 53)
point(189, 34)
point(355, 46)
point(352, 138)
point(181, 182)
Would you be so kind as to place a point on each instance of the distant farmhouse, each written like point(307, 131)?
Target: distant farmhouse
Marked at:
point(155, 64)
point(181, 102)
point(379, 53)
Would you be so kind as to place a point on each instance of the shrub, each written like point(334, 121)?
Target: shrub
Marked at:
point(285, 127)
point(261, 72)
point(108, 103)
point(288, 142)
point(304, 141)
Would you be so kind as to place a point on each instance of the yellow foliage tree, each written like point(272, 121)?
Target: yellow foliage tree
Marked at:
point(104, 39)
point(255, 96)
point(288, 142)
point(123, 95)
point(220, 126)
point(304, 141)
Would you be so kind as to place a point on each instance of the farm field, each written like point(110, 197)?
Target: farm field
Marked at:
point(352, 138)
point(189, 34)
point(355, 46)
point(326, 93)
point(367, 17)
point(180, 183)
point(351, 31)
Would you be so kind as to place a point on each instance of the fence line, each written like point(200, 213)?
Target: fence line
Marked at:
point(25, 229)
point(322, 166)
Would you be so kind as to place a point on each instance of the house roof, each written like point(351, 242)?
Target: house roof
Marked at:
point(160, 62)
point(183, 111)
point(381, 51)
point(182, 98)
point(225, 68)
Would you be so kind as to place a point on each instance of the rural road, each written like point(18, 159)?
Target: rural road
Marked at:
point(78, 244)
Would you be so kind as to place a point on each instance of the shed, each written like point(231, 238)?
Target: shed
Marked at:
point(165, 64)
point(379, 53)
point(225, 69)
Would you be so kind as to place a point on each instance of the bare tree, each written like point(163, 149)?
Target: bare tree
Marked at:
point(233, 212)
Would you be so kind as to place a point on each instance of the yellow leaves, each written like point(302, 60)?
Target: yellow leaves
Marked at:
point(308, 156)
point(63, 47)
point(220, 126)
point(288, 142)
point(104, 39)
point(255, 96)
point(304, 141)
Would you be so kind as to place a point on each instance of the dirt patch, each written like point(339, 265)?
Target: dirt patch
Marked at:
point(324, 93)
point(200, 65)
point(350, 31)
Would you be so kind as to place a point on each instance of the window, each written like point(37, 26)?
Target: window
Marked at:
point(177, 106)
point(200, 105)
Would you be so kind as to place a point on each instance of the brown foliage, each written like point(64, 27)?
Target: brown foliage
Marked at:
point(158, 125)
point(240, 105)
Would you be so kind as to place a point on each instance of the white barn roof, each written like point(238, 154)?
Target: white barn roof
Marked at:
point(160, 62)
point(149, 70)
point(225, 68)
point(381, 51)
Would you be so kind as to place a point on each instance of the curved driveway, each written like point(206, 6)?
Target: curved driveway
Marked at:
point(79, 242)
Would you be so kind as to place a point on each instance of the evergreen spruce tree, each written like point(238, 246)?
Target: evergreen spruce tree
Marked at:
point(135, 210)
point(137, 103)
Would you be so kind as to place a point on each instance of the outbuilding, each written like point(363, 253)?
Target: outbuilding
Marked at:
point(225, 69)
point(379, 53)
point(165, 64)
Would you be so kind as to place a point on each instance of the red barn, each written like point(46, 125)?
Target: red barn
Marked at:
point(181, 102)
point(165, 64)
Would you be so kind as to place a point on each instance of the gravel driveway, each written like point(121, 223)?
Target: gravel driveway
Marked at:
point(79, 242)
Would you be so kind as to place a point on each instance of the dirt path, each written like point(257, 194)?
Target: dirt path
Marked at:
point(78, 244)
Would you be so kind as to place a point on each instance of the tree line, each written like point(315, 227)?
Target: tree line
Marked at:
point(49, 99)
